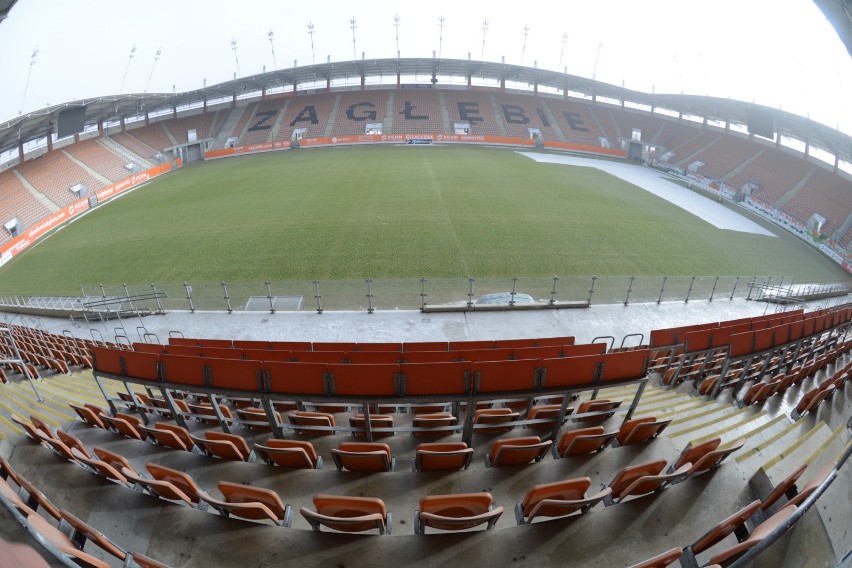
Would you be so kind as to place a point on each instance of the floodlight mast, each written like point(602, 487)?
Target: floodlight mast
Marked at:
point(396, 25)
point(129, 59)
point(271, 36)
point(27, 85)
point(237, 59)
point(353, 26)
point(561, 53)
point(484, 29)
point(441, 21)
point(524, 48)
point(156, 58)
point(311, 32)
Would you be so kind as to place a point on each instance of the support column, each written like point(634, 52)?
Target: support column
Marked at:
point(263, 94)
point(147, 121)
point(328, 85)
point(398, 85)
point(836, 163)
point(234, 98)
point(502, 85)
point(535, 89)
point(76, 138)
point(21, 151)
point(50, 142)
point(205, 105)
point(124, 128)
point(100, 128)
point(363, 83)
point(807, 150)
point(174, 111)
point(469, 81)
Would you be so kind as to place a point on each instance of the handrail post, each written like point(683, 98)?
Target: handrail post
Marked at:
point(689, 292)
point(269, 296)
point(734, 290)
point(553, 291)
point(317, 296)
point(470, 281)
point(629, 290)
point(157, 298)
point(512, 295)
point(592, 289)
point(369, 295)
point(423, 294)
point(713, 291)
point(227, 298)
point(188, 289)
point(662, 288)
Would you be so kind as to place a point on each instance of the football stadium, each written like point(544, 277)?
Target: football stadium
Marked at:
point(424, 311)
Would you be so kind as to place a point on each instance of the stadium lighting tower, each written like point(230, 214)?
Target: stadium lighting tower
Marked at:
point(311, 31)
point(271, 36)
point(561, 53)
point(524, 48)
point(441, 21)
point(484, 29)
point(594, 71)
point(27, 85)
point(237, 59)
point(353, 26)
point(156, 58)
point(129, 59)
point(396, 25)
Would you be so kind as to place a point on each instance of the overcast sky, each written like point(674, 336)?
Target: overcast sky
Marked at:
point(780, 53)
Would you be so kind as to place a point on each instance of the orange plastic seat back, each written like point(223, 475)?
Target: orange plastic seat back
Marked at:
point(436, 456)
point(434, 420)
point(363, 456)
point(568, 490)
point(629, 474)
point(458, 507)
point(494, 416)
point(516, 451)
point(307, 418)
point(691, 454)
point(376, 421)
point(350, 508)
point(237, 493)
point(295, 454)
point(583, 441)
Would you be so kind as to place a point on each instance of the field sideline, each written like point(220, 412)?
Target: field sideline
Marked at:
point(393, 212)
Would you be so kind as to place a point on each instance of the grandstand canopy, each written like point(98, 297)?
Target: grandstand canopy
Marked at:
point(839, 13)
point(5, 6)
point(39, 124)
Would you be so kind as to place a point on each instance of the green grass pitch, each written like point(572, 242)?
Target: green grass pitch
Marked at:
point(393, 212)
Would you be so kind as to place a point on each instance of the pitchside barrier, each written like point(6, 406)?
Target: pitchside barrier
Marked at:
point(404, 138)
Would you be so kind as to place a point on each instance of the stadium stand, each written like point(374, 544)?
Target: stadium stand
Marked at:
point(311, 112)
point(520, 112)
point(774, 172)
point(725, 155)
point(825, 194)
point(261, 122)
point(135, 145)
point(576, 122)
point(204, 125)
point(417, 111)
point(154, 135)
point(97, 157)
point(475, 108)
point(356, 109)
point(17, 202)
point(54, 174)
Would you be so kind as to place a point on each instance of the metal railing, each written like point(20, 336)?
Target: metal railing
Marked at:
point(426, 294)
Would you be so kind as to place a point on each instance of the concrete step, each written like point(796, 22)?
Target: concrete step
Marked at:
point(712, 423)
point(736, 429)
point(789, 456)
point(756, 454)
point(10, 405)
point(700, 415)
point(24, 396)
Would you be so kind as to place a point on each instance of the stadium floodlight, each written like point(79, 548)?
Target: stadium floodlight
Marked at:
point(524, 48)
point(234, 47)
point(311, 32)
point(561, 53)
point(129, 59)
point(396, 25)
point(271, 36)
point(27, 85)
point(484, 29)
point(156, 58)
point(441, 21)
point(353, 26)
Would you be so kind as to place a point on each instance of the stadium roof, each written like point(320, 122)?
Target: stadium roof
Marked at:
point(40, 123)
point(839, 13)
point(5, 6)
